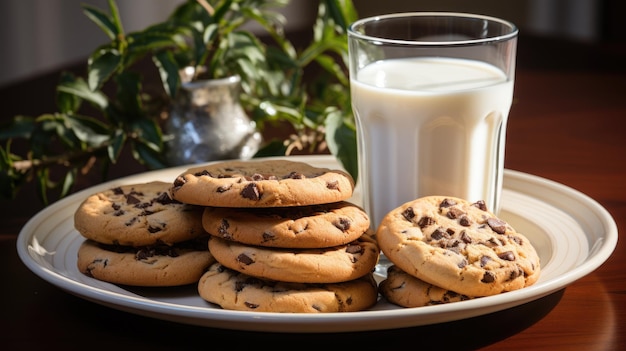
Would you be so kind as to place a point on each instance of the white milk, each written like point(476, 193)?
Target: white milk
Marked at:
point(430, 126)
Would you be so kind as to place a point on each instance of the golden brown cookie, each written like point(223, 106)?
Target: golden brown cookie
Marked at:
point(237, 291)
point(261, 183)
point(320, 265)
point(458, 246)
point(156, 265)
point(314, 226)
point(405, 290)
point(138, 215)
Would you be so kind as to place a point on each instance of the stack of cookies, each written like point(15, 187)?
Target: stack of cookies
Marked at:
point(137, 235)
point(446, 249)
point(284, 237)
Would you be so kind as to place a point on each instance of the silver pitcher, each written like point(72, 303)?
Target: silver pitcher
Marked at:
point(207, 122)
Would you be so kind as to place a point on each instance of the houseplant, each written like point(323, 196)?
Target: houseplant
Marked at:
point(114, 106)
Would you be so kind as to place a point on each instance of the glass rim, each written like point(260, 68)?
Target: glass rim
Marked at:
point(352, 31)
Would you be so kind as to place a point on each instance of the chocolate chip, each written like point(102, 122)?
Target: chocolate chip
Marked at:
point(343, 224)
point(257, 176)
point(491, 242)
point(203, 172)
point(153, 230)
point(507, 256)
point(251, 305)
point(484, 260)
point(267, 236)
point(465, 221)
point(497, 225)
point(251, 192)
point(455, 213)
point(131, 200)
point(438, 234)
point(224, 188)
point(462, 263)
point(179, 181)
point(516, 239)
point(453, 245)
point(155, 250)
point(408, 214)
point(334, 185)
point(488, 277)
point(354, 249)
point(465, 237)
point(447, 203)
point(131, 221)
point(245, 259)
point(480, 204)
point(223, 229)
point(295, 175)
point(425, 221)
point(165, 199)
point(118, 213)
point(118, 191)
point(143, 205)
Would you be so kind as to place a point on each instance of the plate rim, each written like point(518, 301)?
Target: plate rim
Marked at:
point(349, 321)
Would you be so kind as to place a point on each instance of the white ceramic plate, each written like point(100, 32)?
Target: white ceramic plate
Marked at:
point(573, 234)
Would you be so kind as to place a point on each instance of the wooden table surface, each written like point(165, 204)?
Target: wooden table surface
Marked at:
point(567, 124)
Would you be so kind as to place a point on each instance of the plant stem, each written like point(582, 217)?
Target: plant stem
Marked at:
point(206, 6)
point(65, 159)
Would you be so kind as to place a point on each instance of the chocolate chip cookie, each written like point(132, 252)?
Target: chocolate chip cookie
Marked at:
point(405, 290)
point(138, 215)
point(316, 265)
point(314, 226)
point(155, 265)
point(233, 290)
point(266, 183)
point(458, 246)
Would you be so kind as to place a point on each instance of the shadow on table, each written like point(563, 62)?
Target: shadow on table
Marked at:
point(132, 330)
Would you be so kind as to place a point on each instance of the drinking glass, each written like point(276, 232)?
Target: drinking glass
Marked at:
point(431, 94)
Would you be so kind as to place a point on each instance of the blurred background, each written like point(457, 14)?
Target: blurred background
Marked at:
point(41, 36)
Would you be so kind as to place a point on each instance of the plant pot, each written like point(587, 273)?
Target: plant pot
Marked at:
point(207, 122)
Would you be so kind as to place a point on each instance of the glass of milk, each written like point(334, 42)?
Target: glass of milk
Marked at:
point(431, 94)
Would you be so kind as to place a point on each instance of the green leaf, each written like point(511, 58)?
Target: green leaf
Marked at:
point(89, 130)
point(42, 179)
point(102, 20)
point(19, 127)
point(341, 140)
point(115, 18)
point(68, 182)
point(67, 103)
point(210, 33)
point(101, 65)
point(80, 89)
point(117, 143)
point(342, 12)
point(330, 65)
point(128, 97)
point(149, 133)
point(222, 10)
point(185, 12)
point(273, 148)
point(146, 155)
point(153, 39)
point(168, 70)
